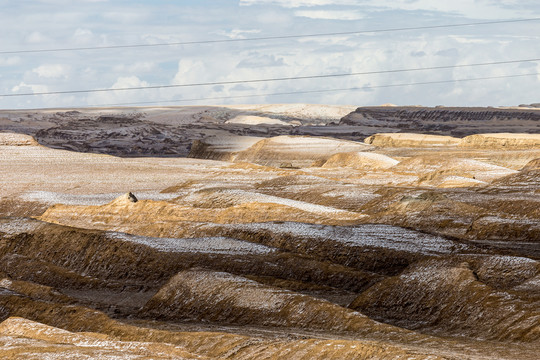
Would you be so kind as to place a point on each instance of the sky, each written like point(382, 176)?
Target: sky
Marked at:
point(53, 24)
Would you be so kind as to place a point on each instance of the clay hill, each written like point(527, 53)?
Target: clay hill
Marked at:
point(285, 231)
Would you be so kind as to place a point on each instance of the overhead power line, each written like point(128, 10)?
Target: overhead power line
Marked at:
point(249, 81)
point(280, 37)
point(364, 88)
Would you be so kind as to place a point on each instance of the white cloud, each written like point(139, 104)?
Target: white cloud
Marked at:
point(51, 71)
point(162, 38)
point(470, 39)
point(241, 87)
point(83, 36)
point(237, 33)
point(330, 14)
point(128, 81)
point(122, 96)
point(297, 3)
point(190, 71)
point(83, 33)
point(10, 61)
point(82, 23)
point(125, 17)
point(451, 53)
point(417, 53)
point(34, 88)
point(259, 61)
point(66, 2)
point(36, 37)
point(136, 68)
point(475, 9)
point(332, 40)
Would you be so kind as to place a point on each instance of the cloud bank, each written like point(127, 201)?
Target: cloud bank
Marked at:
point(50, 24)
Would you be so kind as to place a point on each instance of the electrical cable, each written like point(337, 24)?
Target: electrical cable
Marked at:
point(282, 37)
point(249, 81)
point(364, 88)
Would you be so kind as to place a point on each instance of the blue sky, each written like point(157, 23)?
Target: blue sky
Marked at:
point(48, 24)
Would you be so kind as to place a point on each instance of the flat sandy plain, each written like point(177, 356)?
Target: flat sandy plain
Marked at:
point(270, 232)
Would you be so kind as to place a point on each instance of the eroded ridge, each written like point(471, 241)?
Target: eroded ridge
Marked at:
point(291, 232)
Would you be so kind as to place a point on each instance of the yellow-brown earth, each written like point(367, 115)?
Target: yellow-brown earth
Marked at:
point(282, 235)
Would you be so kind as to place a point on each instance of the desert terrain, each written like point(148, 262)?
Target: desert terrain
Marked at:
point(289, 231)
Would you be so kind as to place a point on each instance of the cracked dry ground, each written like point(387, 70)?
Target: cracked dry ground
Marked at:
point(396, 248)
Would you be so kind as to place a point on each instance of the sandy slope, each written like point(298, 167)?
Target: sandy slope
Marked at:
point(264, 257)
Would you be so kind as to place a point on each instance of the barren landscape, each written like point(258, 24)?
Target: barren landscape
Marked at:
point(289, 231)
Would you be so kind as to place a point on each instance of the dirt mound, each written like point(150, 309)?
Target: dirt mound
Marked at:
point(360, 160)
point(47, 323)
point(308, 237)
point(124, 200)
point(160, 218)
point(35, 291)
point(475, 216)
point(228, 198)
point(204, 295)
point(37, 270)
point(376, 247)
point(11, 139)
point(321, 190)
point(47, 342)
point(525, 181)
point(300, 151)
point(428, 211)
point(442, 180)
point(221, 147)
point(501, 141)
point(38, 330)
point(249, 166)
point(410, 140)
point(26, 339)
point(532, 165)
point(435, 169)
point(448, 297)
point(379, 248)
point(122, 261)
point(506, 272)
point(492, 227)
